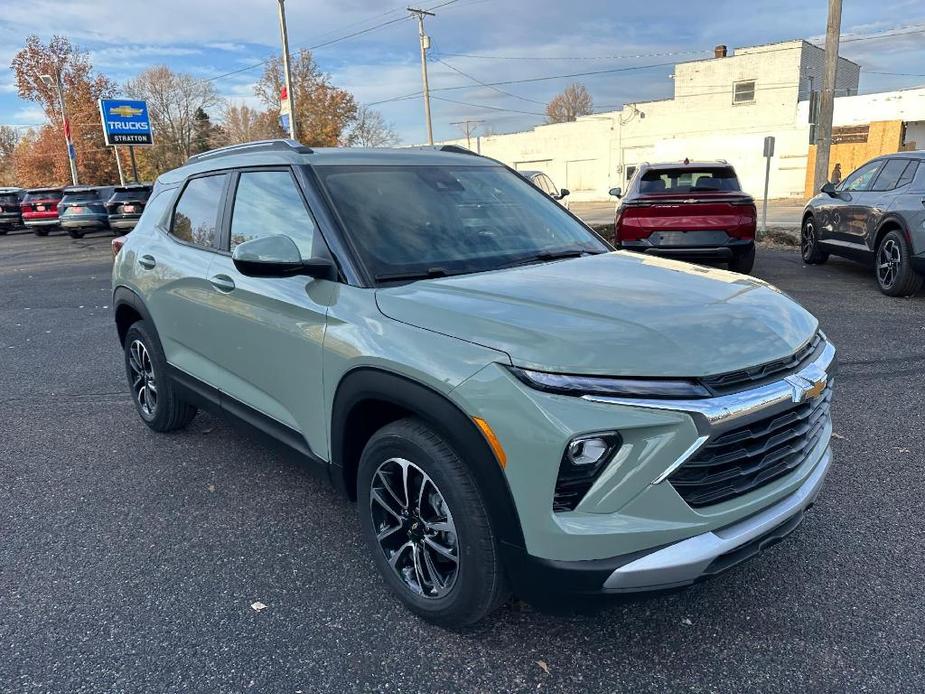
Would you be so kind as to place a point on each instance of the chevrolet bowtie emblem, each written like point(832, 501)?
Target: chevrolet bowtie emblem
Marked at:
point(807, 385)
point(125, 111)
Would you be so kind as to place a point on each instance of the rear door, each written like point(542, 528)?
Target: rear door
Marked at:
point(269, 331)
point(896, 173)
point(173, 273)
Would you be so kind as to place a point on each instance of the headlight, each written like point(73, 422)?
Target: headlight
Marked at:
point(566, 384)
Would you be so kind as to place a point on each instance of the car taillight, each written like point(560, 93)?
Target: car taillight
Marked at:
point(117, 244)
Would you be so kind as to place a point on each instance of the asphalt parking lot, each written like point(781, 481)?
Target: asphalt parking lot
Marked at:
point(129, 560)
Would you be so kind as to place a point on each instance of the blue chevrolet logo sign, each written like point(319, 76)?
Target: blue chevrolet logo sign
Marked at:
point(125, 122)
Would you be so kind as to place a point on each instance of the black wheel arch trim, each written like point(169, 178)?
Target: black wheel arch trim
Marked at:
point(890, 220)
point(122, 296)
point(364, 384)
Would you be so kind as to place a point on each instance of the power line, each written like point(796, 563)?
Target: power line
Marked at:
point(490, 108)
point(478, 81)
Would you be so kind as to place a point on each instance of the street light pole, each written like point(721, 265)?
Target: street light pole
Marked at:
point(289, 94)
point(71, 154)
point(425, 44)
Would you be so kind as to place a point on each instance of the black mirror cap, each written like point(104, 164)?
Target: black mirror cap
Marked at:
point(616, 192)
point(564, 193)
point(829, 189)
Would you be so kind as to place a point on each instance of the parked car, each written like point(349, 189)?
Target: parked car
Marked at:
point(126, 205)
point(688, 210)
point(512, 405)
point(39, 209)
point(875, 215)
point(10, 213)
point(83, 209)
point(544, 182)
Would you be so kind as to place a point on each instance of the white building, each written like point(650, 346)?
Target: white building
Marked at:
point(722, 109)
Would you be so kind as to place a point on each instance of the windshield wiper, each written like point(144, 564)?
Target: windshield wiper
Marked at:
point(547, 256)
point(427, 274)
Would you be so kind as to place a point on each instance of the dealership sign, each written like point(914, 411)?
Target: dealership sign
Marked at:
point(125, 122)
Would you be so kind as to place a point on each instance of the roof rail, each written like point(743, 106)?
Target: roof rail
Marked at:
point(278, 145)
point(458, 149)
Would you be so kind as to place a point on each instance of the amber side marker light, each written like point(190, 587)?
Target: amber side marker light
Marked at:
point(493, 441)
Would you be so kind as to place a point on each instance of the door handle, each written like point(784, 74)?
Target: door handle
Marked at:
point(147, 261)
point(222, 283)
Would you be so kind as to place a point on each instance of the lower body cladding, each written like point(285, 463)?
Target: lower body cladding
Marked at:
point(694, 487)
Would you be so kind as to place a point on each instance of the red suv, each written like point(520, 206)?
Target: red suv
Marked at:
point(40, 209)
point(689, 210)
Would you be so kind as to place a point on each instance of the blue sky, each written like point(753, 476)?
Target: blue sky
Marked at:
point(210, 37)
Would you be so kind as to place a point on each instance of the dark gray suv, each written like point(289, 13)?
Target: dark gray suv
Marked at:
point(876, 214)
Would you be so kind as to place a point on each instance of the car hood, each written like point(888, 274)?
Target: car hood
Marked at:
point(618, 314)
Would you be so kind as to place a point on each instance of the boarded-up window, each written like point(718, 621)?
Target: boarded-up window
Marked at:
point(846, 134)
point(743, 92)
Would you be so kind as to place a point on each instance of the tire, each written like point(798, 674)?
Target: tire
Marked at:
point(743, 262)
point(75, 234)
point(809, 243)
point(3, 232)
point(893, 266)
point(154, 395)
point(39, 231)
point(454, 593)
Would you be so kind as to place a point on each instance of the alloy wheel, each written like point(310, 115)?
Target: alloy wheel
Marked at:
point(808, 240)
point(414, 528)
point(144, 385)
point(889, 262)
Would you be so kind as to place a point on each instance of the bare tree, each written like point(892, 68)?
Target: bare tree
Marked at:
point(9, 138)
point(573, 102)
point(241, 123)
point(174, 100)
point(371, 130)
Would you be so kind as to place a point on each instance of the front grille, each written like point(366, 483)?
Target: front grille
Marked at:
point(736, 380)
point(741, 460)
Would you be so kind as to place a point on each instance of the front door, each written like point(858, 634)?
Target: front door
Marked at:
point(271, 330)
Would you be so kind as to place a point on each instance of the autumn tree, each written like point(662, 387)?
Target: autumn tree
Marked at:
point(174, 100)
point(241, 123)
point(9, 138)
point(323, 112)
point(82, 89)
point(370, 129)
point(574, 101)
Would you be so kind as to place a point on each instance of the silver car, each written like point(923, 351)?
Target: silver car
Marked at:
point(877, 213)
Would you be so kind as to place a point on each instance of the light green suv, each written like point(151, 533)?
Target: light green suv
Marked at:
point(513, 405)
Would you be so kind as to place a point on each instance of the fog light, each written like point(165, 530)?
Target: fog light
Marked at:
point(587, 451)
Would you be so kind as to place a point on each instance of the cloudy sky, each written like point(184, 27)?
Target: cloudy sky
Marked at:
point(630, 45)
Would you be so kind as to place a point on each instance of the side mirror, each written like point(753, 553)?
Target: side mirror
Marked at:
point(829, 189)
point(278, 256)
point(564, 193)
point(616, 192)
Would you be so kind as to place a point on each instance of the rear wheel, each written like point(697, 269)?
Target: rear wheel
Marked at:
point(155, 397)
point(743, 261)
point(895, 275)
point(75, 234)
point(40, 231)
point(425, 523)
point(809, 243)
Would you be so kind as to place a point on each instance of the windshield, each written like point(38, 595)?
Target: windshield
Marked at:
point(687, 180)
point(447, 220)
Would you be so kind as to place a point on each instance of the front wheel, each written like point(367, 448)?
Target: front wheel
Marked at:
point(895, 275)
point(425, 523)
point(809, 243)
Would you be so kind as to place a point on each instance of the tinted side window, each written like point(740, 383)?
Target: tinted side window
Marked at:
point(861, 179)
point(269, 203)
point(196, 215)
point(908, 174)
point(890, 174)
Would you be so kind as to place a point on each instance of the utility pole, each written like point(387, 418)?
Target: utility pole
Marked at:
point(289, 93)
point(71, 154)
point(468, 129)
point(827, 97)
point(115, 151)
point(425, 44)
